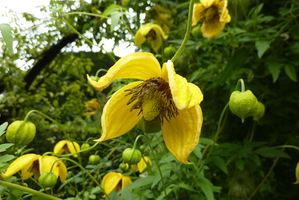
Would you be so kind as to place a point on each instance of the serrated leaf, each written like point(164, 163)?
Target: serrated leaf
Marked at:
point(262, 46)
point(7, 36)
point(3, 147)
point(219, 162)
point(3, 127)
point(271, 153)
point(206, 187)
point(291, 72)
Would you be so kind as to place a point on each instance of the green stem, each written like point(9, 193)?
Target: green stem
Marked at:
point(42, 114)
point(29, 190)
point(216, 135)
point(135, 143)
point(252, 131)
point(182, 47)
point(240, 81)
point(157, 163)
point(100, 70)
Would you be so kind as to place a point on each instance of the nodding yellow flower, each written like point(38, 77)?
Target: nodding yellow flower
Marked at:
point(92, 107)
point(34, 164)
point(215, 15)
point(160, 16)
point(115, 181)
point(65, 146)
point(161, 95)
point(151, 32)
point(142, 165)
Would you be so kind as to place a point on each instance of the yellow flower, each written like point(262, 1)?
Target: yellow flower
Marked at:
point(92, 107)
point(297, 174)
point(151, 32)
point(160, 16)
point(67, 147)
point(115, 181)
point(34, 164)
point(142, 165)
point(215, 15)
point(162, 95)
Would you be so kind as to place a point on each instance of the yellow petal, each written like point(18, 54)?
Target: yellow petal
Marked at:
point(139, 38)
point(73, 147)
point(209, 3)
point(198, 13)
point(45, 165)
point(184, 94)
point(125, 181)
point(181, 134)
point(59, 147)
point(213, 29)
point(117, 119)
point(62, 171)
point(140, 66)
point(297, 174)
point(223, 11)
point(20, 163)
point(156, 44)
point(143, 163)
point(110, 181)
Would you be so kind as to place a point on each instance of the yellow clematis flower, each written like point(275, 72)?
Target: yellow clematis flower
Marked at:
point(65, 146)
point(115, 181)
point(142, 165)
point(34, 164)
point(215, 15)
point(161, 95)
point(151, 32)
point(92, 107)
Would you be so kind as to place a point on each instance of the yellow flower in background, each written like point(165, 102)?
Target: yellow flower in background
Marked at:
point(92, 107)
point(162, 96)
point(115, 181)
point(151, 32)
point(34, 164)
point(142, 165)
point(215, 15)
point(65, 146)
point(297, 174)
point(160, 16)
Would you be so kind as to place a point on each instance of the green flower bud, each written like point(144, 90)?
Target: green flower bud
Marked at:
point(131, 156)
point(20, 132)
point(94, 159)
point(149, 126)
point(85, 146)
point(196, 32)
point(47, 180)
point(169, 51)
point(259, 112)
point(243, 104)
point(123, 166)
point(142, 148)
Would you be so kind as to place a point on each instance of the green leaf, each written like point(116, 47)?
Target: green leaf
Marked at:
point(3, 147)
point(207, 187)
point(115, 16)
point(274, 68)
point(5, 158)
point(271, 153)
point(140, 182)
point(7, 35)
point(291, 72)
point(219, 162)
point(262, 46)
point(3, 127)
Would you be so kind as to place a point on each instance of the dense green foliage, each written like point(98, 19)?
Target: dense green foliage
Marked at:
point(250, 160)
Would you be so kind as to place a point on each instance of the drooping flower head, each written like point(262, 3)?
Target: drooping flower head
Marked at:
point(162, 95)
point(142, 165)
point(34, 164)
point(152, 33)
point(215, 14)
point(115, 181)
point(161, 16)
point(66, 146)
point(92, 107)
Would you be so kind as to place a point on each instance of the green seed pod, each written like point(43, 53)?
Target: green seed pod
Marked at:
point(123, 166)
point(47, 180)
point(259, 112)
point(142, 148)
point(94, 159)
point(131, 156)
point(169, 51)
point(20, 132)
point(85, 146)
point(243, 104)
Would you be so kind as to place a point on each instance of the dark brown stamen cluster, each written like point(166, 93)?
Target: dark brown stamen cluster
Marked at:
point(152, 35)
point(158, 90)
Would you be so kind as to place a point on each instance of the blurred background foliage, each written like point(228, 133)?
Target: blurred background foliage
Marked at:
point(259, 45)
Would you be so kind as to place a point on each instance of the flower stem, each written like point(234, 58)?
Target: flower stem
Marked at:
point(182, 47)
point(240, 81)
point(29, 190)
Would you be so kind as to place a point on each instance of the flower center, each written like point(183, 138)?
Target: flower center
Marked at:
point(212, 13)
point(152, 35)
point(154, 100)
